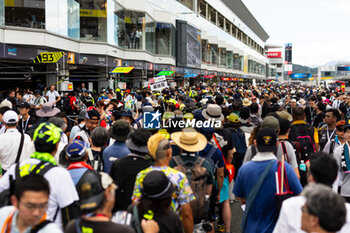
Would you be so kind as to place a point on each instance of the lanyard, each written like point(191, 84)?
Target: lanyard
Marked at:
point(24, 126)
point(6, 228)
point(329, 138)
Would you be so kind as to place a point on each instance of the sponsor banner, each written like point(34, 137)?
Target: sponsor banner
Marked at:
point(274, 54)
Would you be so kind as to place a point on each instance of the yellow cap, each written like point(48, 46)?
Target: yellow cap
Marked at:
point(233, 117)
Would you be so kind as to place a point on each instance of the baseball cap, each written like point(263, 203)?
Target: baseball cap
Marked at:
point(93, 114)
point(270, 122)
point(91, 189)
point(10, 117)
point(266, 140)
point(76, 150)
point(24, 105)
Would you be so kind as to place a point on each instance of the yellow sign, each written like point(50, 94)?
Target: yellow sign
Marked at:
point(9, 3)
point(245, 69)
point(48, 57)
point(70, 87)
point(71, 58)
point(123, 70)
point(93, 13)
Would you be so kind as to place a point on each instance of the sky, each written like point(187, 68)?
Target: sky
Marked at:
point(318, 29)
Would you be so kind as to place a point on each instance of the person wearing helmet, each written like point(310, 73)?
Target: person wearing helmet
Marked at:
point(63, 195)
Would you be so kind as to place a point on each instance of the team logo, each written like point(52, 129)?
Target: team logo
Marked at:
point(151, 120)
point(267, 139)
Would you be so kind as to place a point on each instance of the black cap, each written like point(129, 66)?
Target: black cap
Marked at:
point(93, 114)
point(266, 140)
point(91, 189)
point(157, 186)
point(24, 105)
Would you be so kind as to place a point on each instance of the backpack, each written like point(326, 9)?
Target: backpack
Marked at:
point(238, 139)
point(197, 177)
point(208, 156)
point(301, 136)
point(6, 194)
point(67, 107)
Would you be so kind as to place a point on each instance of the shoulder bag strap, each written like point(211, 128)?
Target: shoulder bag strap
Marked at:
point(284, 150)
point(253, 193)
point(218, 145)
point(77, 225)
point(331, 146)
point(135, 214)
point(41, 225)
point(20, 148)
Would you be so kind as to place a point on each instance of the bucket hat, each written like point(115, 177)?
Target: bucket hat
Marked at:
point(213, 112)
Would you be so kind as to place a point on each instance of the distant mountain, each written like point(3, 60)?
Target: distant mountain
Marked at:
point(333, 63)
point(304, 69)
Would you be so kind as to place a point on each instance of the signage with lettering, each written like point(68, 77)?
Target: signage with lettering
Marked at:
point(122, 70)
point(48, 57)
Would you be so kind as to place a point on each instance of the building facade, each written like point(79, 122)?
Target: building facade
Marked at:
point(200, 40)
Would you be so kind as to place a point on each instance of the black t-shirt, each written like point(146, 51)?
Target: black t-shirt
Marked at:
point(99, 227)
point(26, 124)
point(124, 172)
point(318, 119)
point(168, 223)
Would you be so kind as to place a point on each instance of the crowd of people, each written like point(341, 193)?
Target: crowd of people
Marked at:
point(82, 162)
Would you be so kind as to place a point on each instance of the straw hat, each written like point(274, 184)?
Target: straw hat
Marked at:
point(189, 140)
point(246, 102)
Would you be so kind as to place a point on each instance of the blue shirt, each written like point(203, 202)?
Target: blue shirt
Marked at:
point(262, 215)
point(76, 174)
point(116, 151)
point(217, 159)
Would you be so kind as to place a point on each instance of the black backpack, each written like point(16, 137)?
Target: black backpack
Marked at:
point(301, 137)
point(6, 194)
point(67, 107)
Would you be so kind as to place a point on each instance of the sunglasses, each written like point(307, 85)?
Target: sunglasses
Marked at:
point(341, 129)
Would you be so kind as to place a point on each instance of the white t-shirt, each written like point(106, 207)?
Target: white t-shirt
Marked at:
point(51, 95)
point(9, 145)
point(290, 216)
point(62, 189)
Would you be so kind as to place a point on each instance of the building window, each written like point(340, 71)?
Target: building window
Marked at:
point(188, 3)
point(212, 15)
point(150, 35)
point(220, 21)
point(165, 33)
point(229, 59)
point(73, 19)
point(29, 14)
point(2, 12)
point(222, 54)
point(234, 31)
point(228, 26)
point(135, 30)
point(205, 48)
point(237, 62)
point(203, 8)
point(214, 54)
point(93, 20)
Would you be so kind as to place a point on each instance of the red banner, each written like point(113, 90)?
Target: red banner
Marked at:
point(209, 76)
point(274, 54)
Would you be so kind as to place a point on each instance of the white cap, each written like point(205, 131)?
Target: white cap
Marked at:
point(10, 117)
